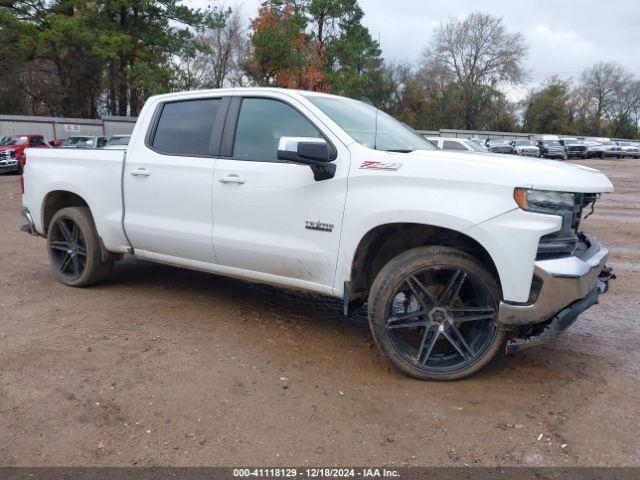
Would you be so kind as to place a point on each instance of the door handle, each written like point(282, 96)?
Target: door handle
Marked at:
point(140, 172)
point(232, 178)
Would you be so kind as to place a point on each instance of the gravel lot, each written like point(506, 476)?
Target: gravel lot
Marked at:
point(162, 366)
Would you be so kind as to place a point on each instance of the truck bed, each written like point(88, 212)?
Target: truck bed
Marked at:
point(93, 175)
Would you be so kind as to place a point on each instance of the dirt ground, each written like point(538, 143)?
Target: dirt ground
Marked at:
point(162, 366)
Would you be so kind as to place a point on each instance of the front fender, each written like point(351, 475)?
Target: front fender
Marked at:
point(453, 205)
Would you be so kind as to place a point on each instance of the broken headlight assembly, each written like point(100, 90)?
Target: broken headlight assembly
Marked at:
point(564, 242)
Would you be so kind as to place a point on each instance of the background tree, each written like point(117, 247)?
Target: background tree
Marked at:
point(480, 55)
point(314, 45)
point(603, 83)
point(548, 109)
point(283, 54)
point(220, 57)
point(102, 56)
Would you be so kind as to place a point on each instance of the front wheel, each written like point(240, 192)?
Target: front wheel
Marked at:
point(74, 248)
point(432, 312)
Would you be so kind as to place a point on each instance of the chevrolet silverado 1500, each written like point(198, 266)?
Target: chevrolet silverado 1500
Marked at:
point(453, 253)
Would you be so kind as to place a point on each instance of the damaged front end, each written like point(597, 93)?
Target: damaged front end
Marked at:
point(570, 274)
point(544, 332)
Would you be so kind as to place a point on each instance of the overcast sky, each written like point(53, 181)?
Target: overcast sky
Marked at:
point(564, 37)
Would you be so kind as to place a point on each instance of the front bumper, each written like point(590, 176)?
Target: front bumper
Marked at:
point(529, 153)
point(564, 282)
point(10, 165)
point(553, 153)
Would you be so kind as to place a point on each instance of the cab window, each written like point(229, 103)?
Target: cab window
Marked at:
point(451, 145)
point(261, 124)
point(185, 127)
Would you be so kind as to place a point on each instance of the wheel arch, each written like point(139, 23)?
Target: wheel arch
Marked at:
point(55, 201)
point(384, 242)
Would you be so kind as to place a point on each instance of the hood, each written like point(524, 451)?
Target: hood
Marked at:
point(504, 170)
point(9, 147)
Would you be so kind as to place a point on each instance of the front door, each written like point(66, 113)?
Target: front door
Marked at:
point(271, 216)
point(168, 182)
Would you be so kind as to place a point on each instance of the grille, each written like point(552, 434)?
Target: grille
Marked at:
point(564, 242)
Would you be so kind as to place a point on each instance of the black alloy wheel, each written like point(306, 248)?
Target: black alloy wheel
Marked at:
point(68, 248)
point(441, 319)
point(433, 312)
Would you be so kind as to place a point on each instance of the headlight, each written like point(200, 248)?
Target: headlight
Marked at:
point(543, 201)
point(11, 153)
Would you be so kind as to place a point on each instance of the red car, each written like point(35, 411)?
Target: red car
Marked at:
point(12, 156)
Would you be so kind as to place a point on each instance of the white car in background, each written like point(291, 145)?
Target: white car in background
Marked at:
point(525, 148)
point(629, 149)
point(461, 144)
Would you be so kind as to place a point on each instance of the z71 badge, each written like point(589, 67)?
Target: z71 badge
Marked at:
point(322, 227)
point(390, 167)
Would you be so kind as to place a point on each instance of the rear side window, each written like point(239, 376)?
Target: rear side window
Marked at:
point(450, 145)
point(261, 124)
point(185, 128)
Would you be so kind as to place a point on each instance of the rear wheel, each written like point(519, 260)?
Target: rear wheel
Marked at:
point(432, 313)
point(74, 248)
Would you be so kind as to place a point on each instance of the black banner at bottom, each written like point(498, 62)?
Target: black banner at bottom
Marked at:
point(235, 473)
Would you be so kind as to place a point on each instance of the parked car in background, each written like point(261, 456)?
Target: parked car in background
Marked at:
point(524, 147)
point(575, 148)
point(84, 142)
point(56, 143)
point(552, 149)
point(462, 144)
point(629, 149)
point(12, 157)
point(498, 145)
point(118, 142)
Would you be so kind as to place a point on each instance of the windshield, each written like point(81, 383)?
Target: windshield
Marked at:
point(476, 147)
point(119, 140)
point(551, 143)
point(16, 141)
point(524, 143)
point(79, 141)
point(370, 127)
point(573, 142)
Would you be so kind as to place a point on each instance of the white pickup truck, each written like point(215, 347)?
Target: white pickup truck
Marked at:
point(454, 253)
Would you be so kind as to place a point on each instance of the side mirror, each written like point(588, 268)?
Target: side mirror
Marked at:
point(310, 151)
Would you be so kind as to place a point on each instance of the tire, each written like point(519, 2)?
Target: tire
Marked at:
point(602, 155)
point(74, 248)
point(413, 283)
point(565, 156)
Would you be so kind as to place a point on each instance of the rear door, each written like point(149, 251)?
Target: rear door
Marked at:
point(272, 217)
point(168, 180)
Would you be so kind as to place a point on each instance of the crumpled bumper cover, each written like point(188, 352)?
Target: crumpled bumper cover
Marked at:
point(564, 281)
point(569, 287)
